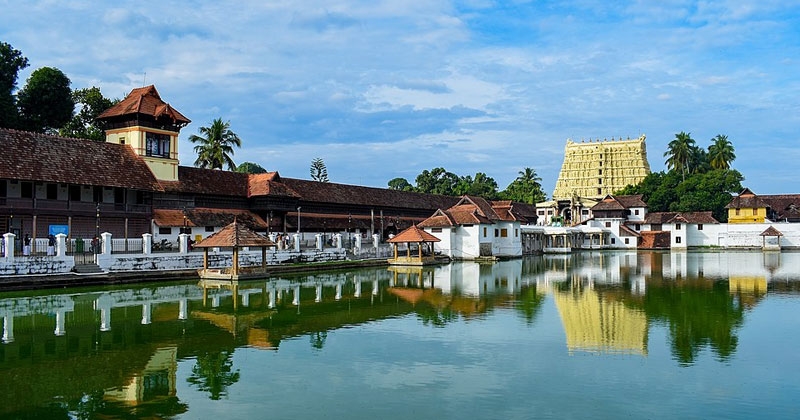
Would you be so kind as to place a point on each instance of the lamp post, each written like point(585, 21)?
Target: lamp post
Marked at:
point(184, 220)
point(269, 222)
point(298, 219)
point(96, 240)
point(349, 222)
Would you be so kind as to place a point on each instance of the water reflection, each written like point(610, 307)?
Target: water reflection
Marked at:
point(116, 351)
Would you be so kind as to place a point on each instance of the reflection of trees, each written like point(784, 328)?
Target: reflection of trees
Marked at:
point(530, 303)
point(697, 316)
point(318, 339)
point(213, 373)
point(436, 317)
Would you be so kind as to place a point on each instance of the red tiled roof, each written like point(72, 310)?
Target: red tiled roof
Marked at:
point(746, 200)
point(269, 184)
point(771, 231)
point(439, 219)
point(413, 234)
point(474, 210)
point(235, 235)
point(695, 217)
point(207, 217)
point(619, 202)
point(208, 181)
point(145, 101)
point(40, 157)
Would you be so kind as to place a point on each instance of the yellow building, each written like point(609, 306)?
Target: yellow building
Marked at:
point(747, 207)
point(595, 169)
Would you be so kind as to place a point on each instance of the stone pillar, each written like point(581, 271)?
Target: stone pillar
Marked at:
point(8, 327)
point(147, 310)
point(296, 300)
point(183, 243)
point(358, 241)
point(338, 291)
point(61, 245)
point(106, 246)
point(357, 293)
point(376, 240)
point(272, 237)
point(319, 243)
point(375, 287)
point(60, 330)
point(183, 308)
point(338, 239)
point(8, 243)
point(318, 297)
point(271, 299)
point(245, 299)
point(147, 243)
point(296, 238)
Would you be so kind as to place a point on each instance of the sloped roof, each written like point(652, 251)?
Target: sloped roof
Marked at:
point(269, 184)
point(694, 217)
point(626, 231)
point(439, 219)
point(784, 205)
point(330, 192)
point(413, 234)
point(144, 101)
point(208, 181)
point(771, 231)
point(235, 235)
point(746, 200)
point(207, 217)
point(619, 202)
point(41, 157)
point(477, 210)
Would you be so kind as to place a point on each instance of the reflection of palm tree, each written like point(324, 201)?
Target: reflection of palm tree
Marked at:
point(318, 339)
point(213, 373)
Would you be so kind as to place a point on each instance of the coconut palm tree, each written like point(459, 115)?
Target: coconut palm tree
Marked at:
point(215, 146)
point(679, 153)
point(720, 152)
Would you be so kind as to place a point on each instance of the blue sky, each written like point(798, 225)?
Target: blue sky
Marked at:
point(385, 89)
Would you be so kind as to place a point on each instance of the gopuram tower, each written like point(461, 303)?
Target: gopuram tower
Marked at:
point(595, 169)
point(592, 170)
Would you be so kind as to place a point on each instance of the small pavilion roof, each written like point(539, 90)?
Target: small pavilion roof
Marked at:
point(144, 101)
point(413, 235)
point(771, 231)
point(235, 235)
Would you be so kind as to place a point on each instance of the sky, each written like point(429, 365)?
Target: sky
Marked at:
point(381, 89)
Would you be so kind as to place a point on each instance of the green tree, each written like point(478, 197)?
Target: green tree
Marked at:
point(400, 184)
point(250, 168)
point(437, 181)
point(710, 191)
point(319, 172)
point(11, 62)
point(213, 373)
point(83, 124)
point(45, 102)
point(214, 147)
point(679, 153)
point(526, 188)
point(481, 186)
point(720, 152)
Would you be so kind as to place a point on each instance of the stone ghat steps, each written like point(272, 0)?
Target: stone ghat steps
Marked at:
point(87, 269)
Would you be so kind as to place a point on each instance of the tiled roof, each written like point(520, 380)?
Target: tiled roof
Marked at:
point(476, 210)
point(40, 157)
point(329, 192)
point(439, 219)
point(619, 202)
point(235, 235)
point(626, 231)
point(694, 217)
point(270, 184)
point(144, 101)
point(771, 231)
point(207, 217)
point(413, 234)
point(631, 200)
point(784, 205)
point(208, 181)
point(746, 200)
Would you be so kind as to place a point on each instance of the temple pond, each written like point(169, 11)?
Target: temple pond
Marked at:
point(593, 334)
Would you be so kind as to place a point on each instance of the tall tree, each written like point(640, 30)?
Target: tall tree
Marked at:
point(679, 152)
point(437, 181)
point(11, 62)
point(250, 168)
point(319, 172)
point(214, 147)
point(45, 102)
point(720, 152)
point(481, 186)
point(526, 188)
point(83, 124)
point(400, 184)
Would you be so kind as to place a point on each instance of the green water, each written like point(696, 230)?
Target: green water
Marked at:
point(589, 335)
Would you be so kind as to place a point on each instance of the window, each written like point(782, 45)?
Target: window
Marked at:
point(75, 193)
point(164, 231)
point(600, 181)
point(636, 212)
point(737, 212)
point(26, 189)
point(516, 233)
point(496, 233)
point(122, 140)
point(613, 241)
point(600, 172)
point(608, 224)
point(677, 226)
point(436, 230)
point(484, 231)
point(52, 191)
point(585, 212)
point(504, 233)
point(638, 227)
point(158, 145)
point(755, 212)
point(3, 188)
point(541, 212)
point(627, 241)
point(677, 239)
point(599, 191)
point(209, 228)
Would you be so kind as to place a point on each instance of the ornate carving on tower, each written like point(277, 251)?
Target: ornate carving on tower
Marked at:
point(595, 169)
point(150, 127)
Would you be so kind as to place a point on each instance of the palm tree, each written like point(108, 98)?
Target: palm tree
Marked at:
point(215, 146)
point(679, 153)
point(720, 152)
point(529, 175)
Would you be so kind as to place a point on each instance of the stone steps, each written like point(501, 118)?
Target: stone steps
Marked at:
point(87, 269)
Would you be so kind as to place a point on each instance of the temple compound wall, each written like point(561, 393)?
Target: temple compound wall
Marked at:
point(593, 169)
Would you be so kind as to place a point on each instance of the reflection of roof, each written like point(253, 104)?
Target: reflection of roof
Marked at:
point(235, 235)
point(144, 101)
point(413, 234)
point(40, 157)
